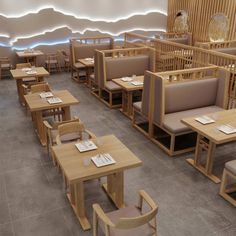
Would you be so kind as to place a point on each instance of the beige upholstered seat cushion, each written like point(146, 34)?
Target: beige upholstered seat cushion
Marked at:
point(172, 121)
point(127, 212)
point(137, 105)
point(231, 166)
point(5, 66)
point(79, 65)
point(110, 85)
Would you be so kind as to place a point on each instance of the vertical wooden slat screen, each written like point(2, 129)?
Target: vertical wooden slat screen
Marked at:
point(200, 13)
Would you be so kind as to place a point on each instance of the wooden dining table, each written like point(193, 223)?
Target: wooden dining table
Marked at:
point(209, 136)
point(19, 75)
point(77, 168)
point(89, 67)
point(30, 56)
point(128, 92)
point(38, 105)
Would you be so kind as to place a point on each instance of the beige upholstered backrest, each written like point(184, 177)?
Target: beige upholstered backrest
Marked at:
point(126, 66)
point(190, 95)
point(87, 50)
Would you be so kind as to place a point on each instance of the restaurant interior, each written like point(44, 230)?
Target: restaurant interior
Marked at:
point(118, 118)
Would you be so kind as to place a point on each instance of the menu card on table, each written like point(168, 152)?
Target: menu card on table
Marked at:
point(31, 72)
point(126, 79)
point(137, 83)
point(26, 69)
point(103, 160)
point(46, 95)
point(86, 145)
point(54, 100)
point(205, 120)
point(227, 129)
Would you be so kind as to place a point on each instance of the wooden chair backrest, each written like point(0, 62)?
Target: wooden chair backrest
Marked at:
point(129, 223)
point(23, 65)
point(72, 127)
point(40, 88)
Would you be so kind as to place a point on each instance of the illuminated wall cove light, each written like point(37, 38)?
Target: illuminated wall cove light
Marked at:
point(60, 34)
point(82, 17)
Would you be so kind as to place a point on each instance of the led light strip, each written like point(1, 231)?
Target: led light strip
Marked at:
point(82, 17)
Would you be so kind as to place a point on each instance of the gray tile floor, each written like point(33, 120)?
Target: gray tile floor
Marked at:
point(32, 200)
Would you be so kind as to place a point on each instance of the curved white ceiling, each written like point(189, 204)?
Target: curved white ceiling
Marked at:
point(28, 23)
point(97, 9)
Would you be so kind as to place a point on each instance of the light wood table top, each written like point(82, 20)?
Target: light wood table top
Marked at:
point(127, 85)
point(34, 53)
point(210, 131)
point(88, 62)
point(36, 103)
point(19, 73)
point(72, 161)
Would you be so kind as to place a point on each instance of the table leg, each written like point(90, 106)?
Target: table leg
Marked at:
point(66, 113)
point(40, 127)
point(130, 103)
point(115, 188)
point(124, 101)
point(196, 163)
point(210, 158)
point(20, 91)
point(79, 204)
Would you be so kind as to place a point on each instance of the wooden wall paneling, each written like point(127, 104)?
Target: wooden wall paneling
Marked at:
point(200, 13)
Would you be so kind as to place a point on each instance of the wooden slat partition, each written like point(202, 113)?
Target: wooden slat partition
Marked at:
point(215, 45)
point(173, 56)
point(200, 13)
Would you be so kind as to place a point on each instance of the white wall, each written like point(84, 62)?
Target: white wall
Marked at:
point(33, 23)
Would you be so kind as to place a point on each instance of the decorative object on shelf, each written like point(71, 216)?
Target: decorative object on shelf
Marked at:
point(218, 28)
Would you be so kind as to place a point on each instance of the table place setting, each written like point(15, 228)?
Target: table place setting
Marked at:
point(227, 129)
point(127, 79)
point(137, 83)
point(205, 120)
point(46, 95)
point(103, 160)
point(26, 69)
point(87, 145)
point(31, 72)
point(54, 100)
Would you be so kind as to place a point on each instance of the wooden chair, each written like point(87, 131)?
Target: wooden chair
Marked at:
point(128, 220)
point(66, 59)
point(229, 172)
point(56, 113)
point(5, 67)
point(52, 62)
point(71, 132)
point(51, 129)
point(27, 80)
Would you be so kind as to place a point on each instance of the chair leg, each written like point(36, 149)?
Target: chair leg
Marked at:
point(95, 224)
point(223, 182)
point(224, 192)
